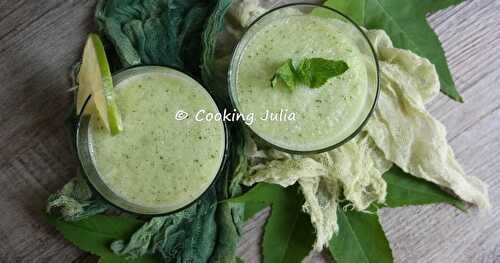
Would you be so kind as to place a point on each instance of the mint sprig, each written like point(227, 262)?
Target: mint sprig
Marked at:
point(312, 72)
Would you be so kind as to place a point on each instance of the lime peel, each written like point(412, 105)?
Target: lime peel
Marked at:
point(95, 80)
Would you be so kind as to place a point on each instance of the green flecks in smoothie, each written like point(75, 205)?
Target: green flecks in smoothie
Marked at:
point(152, 162)
point(297, 38)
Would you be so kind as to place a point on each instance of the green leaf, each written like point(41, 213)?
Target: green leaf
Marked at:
point(252, 208)
point(312, 72)
point(404, 189)
point(95, 234)
point(406, 24)
point(360, 239)
point(288, 233)
point(285, 73)
point(239, 260)
point(436, 5)
point(355, 9)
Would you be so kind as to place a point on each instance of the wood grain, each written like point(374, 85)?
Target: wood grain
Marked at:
point(40, 40)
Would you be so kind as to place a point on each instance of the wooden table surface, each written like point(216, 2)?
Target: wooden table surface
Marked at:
point(40, 40)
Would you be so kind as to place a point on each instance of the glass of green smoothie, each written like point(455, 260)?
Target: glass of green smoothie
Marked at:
point(164, 159)
point(305, 119)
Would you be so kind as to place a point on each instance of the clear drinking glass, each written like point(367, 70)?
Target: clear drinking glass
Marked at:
point(89, 167)
point(357, 36)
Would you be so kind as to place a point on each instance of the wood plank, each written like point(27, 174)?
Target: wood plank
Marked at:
point(40, 40)
point(470, 34)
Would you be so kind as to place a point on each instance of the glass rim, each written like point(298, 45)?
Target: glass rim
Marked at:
point(94, 179)
point(235, 59)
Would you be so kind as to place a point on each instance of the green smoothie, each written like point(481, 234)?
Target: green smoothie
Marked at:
point(323, 116)
point(158, 161)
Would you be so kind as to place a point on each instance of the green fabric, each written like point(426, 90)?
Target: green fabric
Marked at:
point(76, 201)
point(180, 34)
point(229, 216)
point(155, 32)
point(185, 236)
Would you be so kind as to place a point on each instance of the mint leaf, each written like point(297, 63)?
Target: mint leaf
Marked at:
point(404, 189)
point(312, 72)
point(406, 24)
point(285, 73)
point(288, 233)
point(96, 233)
point(360, 239)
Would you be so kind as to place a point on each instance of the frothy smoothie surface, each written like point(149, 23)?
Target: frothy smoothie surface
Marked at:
point(323, 116)
point(157, 161)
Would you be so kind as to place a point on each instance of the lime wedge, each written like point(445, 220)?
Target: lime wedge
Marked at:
point(95, 80)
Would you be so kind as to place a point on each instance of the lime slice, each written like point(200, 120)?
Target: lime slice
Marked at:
point(95, 80)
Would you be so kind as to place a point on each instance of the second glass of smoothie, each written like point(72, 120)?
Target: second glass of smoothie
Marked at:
point(324, 117)
point(161, 161)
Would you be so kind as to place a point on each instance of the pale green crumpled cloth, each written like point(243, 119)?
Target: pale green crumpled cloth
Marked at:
point(406, 132)
point(401, 131)
point(355, 169)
